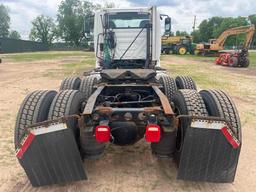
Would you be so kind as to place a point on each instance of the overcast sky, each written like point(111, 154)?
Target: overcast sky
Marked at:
point(22, 12)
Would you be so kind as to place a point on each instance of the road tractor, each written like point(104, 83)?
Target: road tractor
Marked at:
point(180, 45)
point(127, 97)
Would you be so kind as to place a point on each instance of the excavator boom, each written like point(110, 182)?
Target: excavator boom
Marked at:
point(217, 45)
point(249, 30)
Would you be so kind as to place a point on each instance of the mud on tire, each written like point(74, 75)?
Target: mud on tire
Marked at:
point(67, 102)
point(219, 104)
point(187, 102)
point(185, 82)
point(72, 83)
point(34, 109)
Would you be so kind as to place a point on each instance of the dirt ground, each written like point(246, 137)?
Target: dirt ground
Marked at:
point(130, 168)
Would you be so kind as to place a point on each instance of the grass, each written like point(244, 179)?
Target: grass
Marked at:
point(197, 58)
point(49, 55)
point(252, 57)
point(236, 82)
point(209, 76)
point(204, 78)
point(73, 68)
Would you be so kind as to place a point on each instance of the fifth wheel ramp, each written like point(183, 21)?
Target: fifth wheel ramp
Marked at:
point(210, 152)
point(49, 155)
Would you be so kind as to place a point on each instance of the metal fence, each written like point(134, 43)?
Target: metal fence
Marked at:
point(8, 45)
point(65, 47)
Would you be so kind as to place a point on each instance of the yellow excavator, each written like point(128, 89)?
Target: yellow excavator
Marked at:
point(216, 45)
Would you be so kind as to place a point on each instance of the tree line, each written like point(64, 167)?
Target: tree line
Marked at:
point(213, 27)
point(5, 24)
point(68, 26)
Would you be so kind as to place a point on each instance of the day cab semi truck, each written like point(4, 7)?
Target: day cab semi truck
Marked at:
point(127, 97)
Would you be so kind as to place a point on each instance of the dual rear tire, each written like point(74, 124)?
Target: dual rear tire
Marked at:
point(205, 103)
point(166, 146)
point(34, 109)
point(41, 106)
point(185, 82)
point(171, 86)
point(70, 83)
point(85, 85)
point(65, 103)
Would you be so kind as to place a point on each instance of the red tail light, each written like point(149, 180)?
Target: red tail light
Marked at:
point(153, 133)
point(102, 133)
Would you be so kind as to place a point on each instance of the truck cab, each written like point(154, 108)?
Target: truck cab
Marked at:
point(128, 38)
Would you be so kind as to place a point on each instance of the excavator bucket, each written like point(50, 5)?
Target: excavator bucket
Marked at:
point(49, 155)
point(210, 152)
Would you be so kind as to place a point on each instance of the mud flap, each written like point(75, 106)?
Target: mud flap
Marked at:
point(49, 155)
point(210, 152)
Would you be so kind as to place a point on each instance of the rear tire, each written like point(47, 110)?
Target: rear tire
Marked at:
point(233, 62)
point(167, 51)
point(67, 102)
point(185, 82)
point(219, 104)
point(169, 85)
point(70, 83)
point(182, 50)
point(34, 109)
point(87, 85)
point(246, 63)
point(186, 102)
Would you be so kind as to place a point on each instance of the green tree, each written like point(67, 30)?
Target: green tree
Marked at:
point(43, 30)
point(252, 19)
point(181, 33)
point(213, 27)
point(207, 27)
point(71, 14)
point(4, 21)
point(196, 36)
point(229, 22)
point(14, 35)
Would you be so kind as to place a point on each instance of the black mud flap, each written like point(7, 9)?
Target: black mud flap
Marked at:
point(210, 152)
point(49, 155)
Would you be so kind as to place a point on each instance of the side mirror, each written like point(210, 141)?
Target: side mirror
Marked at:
point(167, 24)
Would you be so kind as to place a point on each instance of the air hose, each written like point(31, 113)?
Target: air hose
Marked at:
point(108, 47)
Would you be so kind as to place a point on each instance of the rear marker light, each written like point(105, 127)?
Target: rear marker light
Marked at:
point(153, 133)
point(102, 133)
